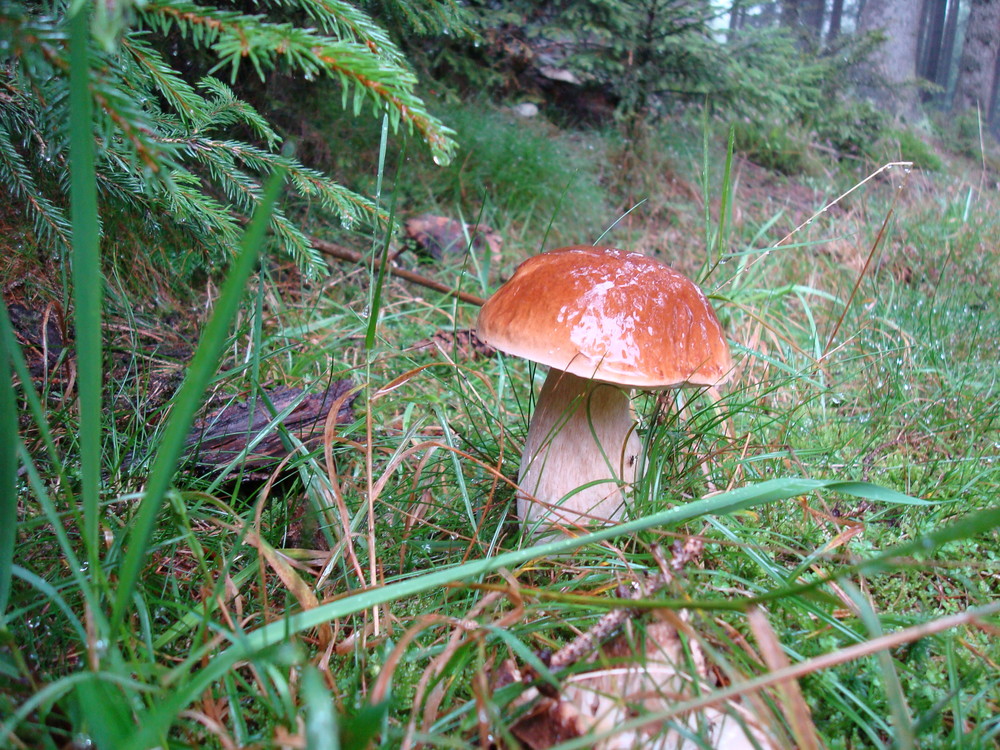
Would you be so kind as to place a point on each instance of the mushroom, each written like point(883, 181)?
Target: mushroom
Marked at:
point(601, 319)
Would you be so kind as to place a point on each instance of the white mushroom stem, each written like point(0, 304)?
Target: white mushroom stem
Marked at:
point(582, 435)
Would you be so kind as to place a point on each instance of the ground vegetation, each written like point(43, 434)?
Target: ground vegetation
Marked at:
point(258, 471)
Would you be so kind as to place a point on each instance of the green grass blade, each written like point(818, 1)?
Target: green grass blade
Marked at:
point(456, 462)
point(322, 732)
point(88, 283)
point(188, 399)
point(617, 221)
point(51, 594)
point(383, 260)
point(8, 462)
point(106, 711)
point(528, 656)
point(725, 207)
point(66, 548)
point(46, 696)
point(15, 358)
point(190, 684)
point(965, 528)
point(706, 190)
point(902, 721)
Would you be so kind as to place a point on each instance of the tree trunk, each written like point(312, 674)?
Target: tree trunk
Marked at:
point(811, 18)
point(933, 33)
point(948, 47)
point(735, 17)
point(894, 62)
point(836, 16)
point(994, 119)
point(925, 6)
point(789, 10)
point(978, 64)
point(767, 16)
point(804, 18)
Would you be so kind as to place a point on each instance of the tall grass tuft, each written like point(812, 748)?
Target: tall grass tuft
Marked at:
point(88, 286)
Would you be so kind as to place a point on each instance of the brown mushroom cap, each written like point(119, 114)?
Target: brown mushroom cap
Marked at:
point(610, 315)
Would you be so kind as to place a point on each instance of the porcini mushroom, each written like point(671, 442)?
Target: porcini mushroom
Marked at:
point(601, 319)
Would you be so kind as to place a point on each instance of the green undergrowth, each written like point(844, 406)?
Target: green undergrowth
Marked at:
point(844, 482)
point(519, 175)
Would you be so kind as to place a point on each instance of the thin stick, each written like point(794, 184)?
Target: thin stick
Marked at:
point(352, 256)
point(766, 252)
point(585, 643)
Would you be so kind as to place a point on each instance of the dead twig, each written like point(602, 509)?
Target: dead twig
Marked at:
point(352, 256)
point(586, 643)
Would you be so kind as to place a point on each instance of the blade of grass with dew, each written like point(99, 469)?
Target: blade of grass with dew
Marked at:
point(617, 221)
point(52, 596)
point(706, 191)
point(322, 732)
point(463, 490)
point(20, 369)
point(88, 287)
point(107, 720)
point(8, 463)
point(186, 681)
point(59, 529)
point(902, 721)
point(375, 303)
point(965, 528)
point(199, 375)
point(712, 261)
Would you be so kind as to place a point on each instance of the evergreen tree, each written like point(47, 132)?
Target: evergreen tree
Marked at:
point(977, 68)
point(181, 146)
point(894, 62)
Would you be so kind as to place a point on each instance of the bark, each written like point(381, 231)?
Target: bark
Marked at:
point(789, 13)
point(836, 17)
point(894, 62)
point(948, 45)
point(925, 7)
point(994, 118)
point(737, 15)
point(811, 16)
point(931, 38)
point(768, 16)
point(223, 435)
point(978, 64)
point(805, 19)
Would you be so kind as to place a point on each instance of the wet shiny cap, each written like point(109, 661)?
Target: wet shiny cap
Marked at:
point(609, 315)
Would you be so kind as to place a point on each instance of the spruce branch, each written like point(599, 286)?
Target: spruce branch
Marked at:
point(165, 138)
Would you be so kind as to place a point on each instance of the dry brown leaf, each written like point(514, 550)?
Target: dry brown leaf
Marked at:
point(795, 707)
point(439, 236)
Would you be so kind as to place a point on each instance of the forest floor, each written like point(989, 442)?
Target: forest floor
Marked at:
point(844, 481)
